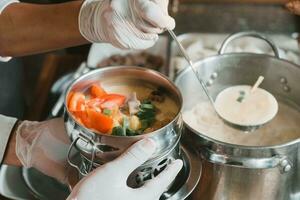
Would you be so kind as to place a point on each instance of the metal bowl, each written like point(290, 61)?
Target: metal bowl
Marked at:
point(102, 148)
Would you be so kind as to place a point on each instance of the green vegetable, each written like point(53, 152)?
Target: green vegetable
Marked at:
point(147, 106)
point(107, 112)
point(146, 114)
point(118, 131)
point(130, 132)
point(242, 96)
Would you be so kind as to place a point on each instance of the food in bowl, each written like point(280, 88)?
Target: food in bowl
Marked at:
point(122, 110)
point(142, 59)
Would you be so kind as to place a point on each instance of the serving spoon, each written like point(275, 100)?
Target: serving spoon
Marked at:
point(244, 128)
point(191, 64)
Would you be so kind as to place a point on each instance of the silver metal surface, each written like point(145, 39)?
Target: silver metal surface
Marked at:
point(222, 50)
point(108, 147)
point(254, 34)
point(191, 64)
point(44, 187)
point(12, 184)
point(187, 179)
point(185, 184)
point(234, 172)
point(60, 101)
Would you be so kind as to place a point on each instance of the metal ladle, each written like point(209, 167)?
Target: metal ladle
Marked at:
point(187, 58)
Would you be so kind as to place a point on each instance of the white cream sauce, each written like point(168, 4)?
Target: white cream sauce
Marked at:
point(283, 128)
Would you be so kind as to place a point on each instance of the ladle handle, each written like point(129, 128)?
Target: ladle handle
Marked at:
point(188, 59)
point(248, 34)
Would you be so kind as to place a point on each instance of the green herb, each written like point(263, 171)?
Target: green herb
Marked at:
point(242, 93)
point(107, 112)
point(146, 114)
point(242, 96)
point(130, 132)
point(118, 131)
point(147, 106)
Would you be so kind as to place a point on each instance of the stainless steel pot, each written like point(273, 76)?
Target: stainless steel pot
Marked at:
point(235, 172)
point(101, 148)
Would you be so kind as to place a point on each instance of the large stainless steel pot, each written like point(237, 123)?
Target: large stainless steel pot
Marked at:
point(235, 172)
point(101, 148)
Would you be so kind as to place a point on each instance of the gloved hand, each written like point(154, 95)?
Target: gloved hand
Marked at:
point(125, 24)
point(108, 182)
point(44, 146)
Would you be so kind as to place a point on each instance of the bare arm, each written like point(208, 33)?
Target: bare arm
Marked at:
point(30, 28)
point(10, 157)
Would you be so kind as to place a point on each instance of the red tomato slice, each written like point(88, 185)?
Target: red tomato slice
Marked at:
point(69, 97)
point(83, 118)
point(77, 102)
point(97, 91)
point(110, 100)
point(99, 121)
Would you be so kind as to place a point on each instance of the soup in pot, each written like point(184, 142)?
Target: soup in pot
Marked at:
point(283, 128)
point(122, 110)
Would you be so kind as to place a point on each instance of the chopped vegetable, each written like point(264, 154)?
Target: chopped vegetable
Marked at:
point(241, 97)
point(146, 114)
point(69, 97)
point(134, 123)
point(107, 112)
point(118, 131)
point(97, 91)
point(99, 121)
point(110, 100)
point(130, 132)
point(77, 102)
point(84, 119)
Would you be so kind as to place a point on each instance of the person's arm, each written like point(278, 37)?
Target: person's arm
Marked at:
point(31, 28)
point(10, 156)
point(293, 6)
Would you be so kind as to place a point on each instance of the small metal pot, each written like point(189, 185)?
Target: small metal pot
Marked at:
point(234, 172)
point(102, 148)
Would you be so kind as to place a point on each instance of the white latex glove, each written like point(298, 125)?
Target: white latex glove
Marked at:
point(44, 146)
point(125, 24)
point(108, 182)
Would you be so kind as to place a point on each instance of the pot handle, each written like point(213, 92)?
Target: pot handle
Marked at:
point(248, 34)
point(69, 157)
point(282, 162)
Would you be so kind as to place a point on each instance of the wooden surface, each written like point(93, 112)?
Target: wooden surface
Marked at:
point(53, 67)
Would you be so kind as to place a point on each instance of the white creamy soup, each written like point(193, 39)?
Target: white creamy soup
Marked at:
point(284, 127)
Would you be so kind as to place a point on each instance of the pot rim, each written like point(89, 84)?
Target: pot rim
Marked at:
point(239, 54)
point(109, 68)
